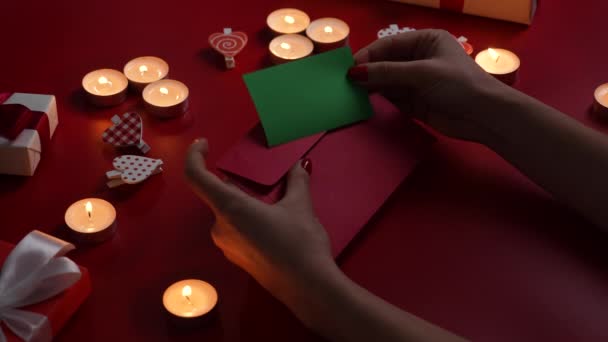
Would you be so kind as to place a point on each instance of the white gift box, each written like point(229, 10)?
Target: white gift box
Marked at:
point(22, 155)
point(519, 11)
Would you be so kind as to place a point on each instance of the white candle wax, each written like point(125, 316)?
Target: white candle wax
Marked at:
point(289, 47)
point(190, 298)
point(91, 218)
point(498, 61)
point(165, 93)
point(144, 70)
point(166, 98)
point(601, 95)
point(104, 82)
point(600, 106)
point(288, 20)
point(328, 31)
point(105, 87)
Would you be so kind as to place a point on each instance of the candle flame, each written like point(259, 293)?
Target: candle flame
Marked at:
point(143, 68)
point(187, 291)
point(89, 208)
point(164, 91)
point(494, 54)
point(102, 80)
point(328, 29)
point(289, 19)
point(285, 46)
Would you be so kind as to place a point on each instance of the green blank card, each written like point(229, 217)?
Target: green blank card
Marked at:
point(305, 97)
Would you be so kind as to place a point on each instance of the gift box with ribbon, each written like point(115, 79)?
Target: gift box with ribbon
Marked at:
point(27, 123)
point(519, 11)
point(40, 289)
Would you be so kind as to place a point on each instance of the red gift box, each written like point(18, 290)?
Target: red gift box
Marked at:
point(27, 124)
point(57, 309)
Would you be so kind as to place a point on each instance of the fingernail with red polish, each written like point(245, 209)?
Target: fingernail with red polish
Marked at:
point(307, 165)
point(358, 73)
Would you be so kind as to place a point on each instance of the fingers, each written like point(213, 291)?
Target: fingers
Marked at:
point(196, 153)
point(221, 196)
point(384, 75)
point(298, 188)
point(402, 47)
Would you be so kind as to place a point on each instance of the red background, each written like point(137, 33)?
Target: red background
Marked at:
point(466, 242)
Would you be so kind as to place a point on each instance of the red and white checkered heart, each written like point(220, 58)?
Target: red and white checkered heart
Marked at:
point(127, 130)
point(135, 168)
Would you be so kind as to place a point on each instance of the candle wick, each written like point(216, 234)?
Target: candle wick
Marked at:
point(497, 58)
point(89, 213)
point(188, 299)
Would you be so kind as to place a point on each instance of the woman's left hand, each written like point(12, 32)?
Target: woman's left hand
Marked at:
point(282, 246)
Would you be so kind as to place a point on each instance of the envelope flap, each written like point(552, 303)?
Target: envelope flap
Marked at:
point(252, 159)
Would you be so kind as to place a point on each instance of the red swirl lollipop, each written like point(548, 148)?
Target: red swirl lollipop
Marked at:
point(229, 44)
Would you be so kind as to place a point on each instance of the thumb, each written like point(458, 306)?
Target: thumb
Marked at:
point(219, 195)
point(298, 188)
point(385, 74)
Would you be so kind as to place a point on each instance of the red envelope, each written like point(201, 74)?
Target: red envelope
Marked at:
point(355, 169)
point(252, 159)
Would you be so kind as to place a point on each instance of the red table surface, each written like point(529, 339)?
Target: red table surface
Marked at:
point(467, 242)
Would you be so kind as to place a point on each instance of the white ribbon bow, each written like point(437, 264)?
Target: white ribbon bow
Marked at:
point(34, 271)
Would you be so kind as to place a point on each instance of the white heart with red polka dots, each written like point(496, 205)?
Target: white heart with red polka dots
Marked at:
point(135, 168)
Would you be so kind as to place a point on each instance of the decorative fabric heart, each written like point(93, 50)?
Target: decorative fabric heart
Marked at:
point(229, 43)
point(127, 130)
point(393, 29)
point(468, 48)
point(132, 169)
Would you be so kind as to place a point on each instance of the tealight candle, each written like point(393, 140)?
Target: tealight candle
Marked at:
point(105, 87)
point(328, 33)
point(91, 219)
point(600, 105)
point(502, 64)
point(190, 298)
point(288, 20)
point(166, 98)
point(289, 47)
point(142, 71)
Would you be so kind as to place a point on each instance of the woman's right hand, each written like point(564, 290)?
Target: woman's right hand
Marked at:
point(428, 75)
